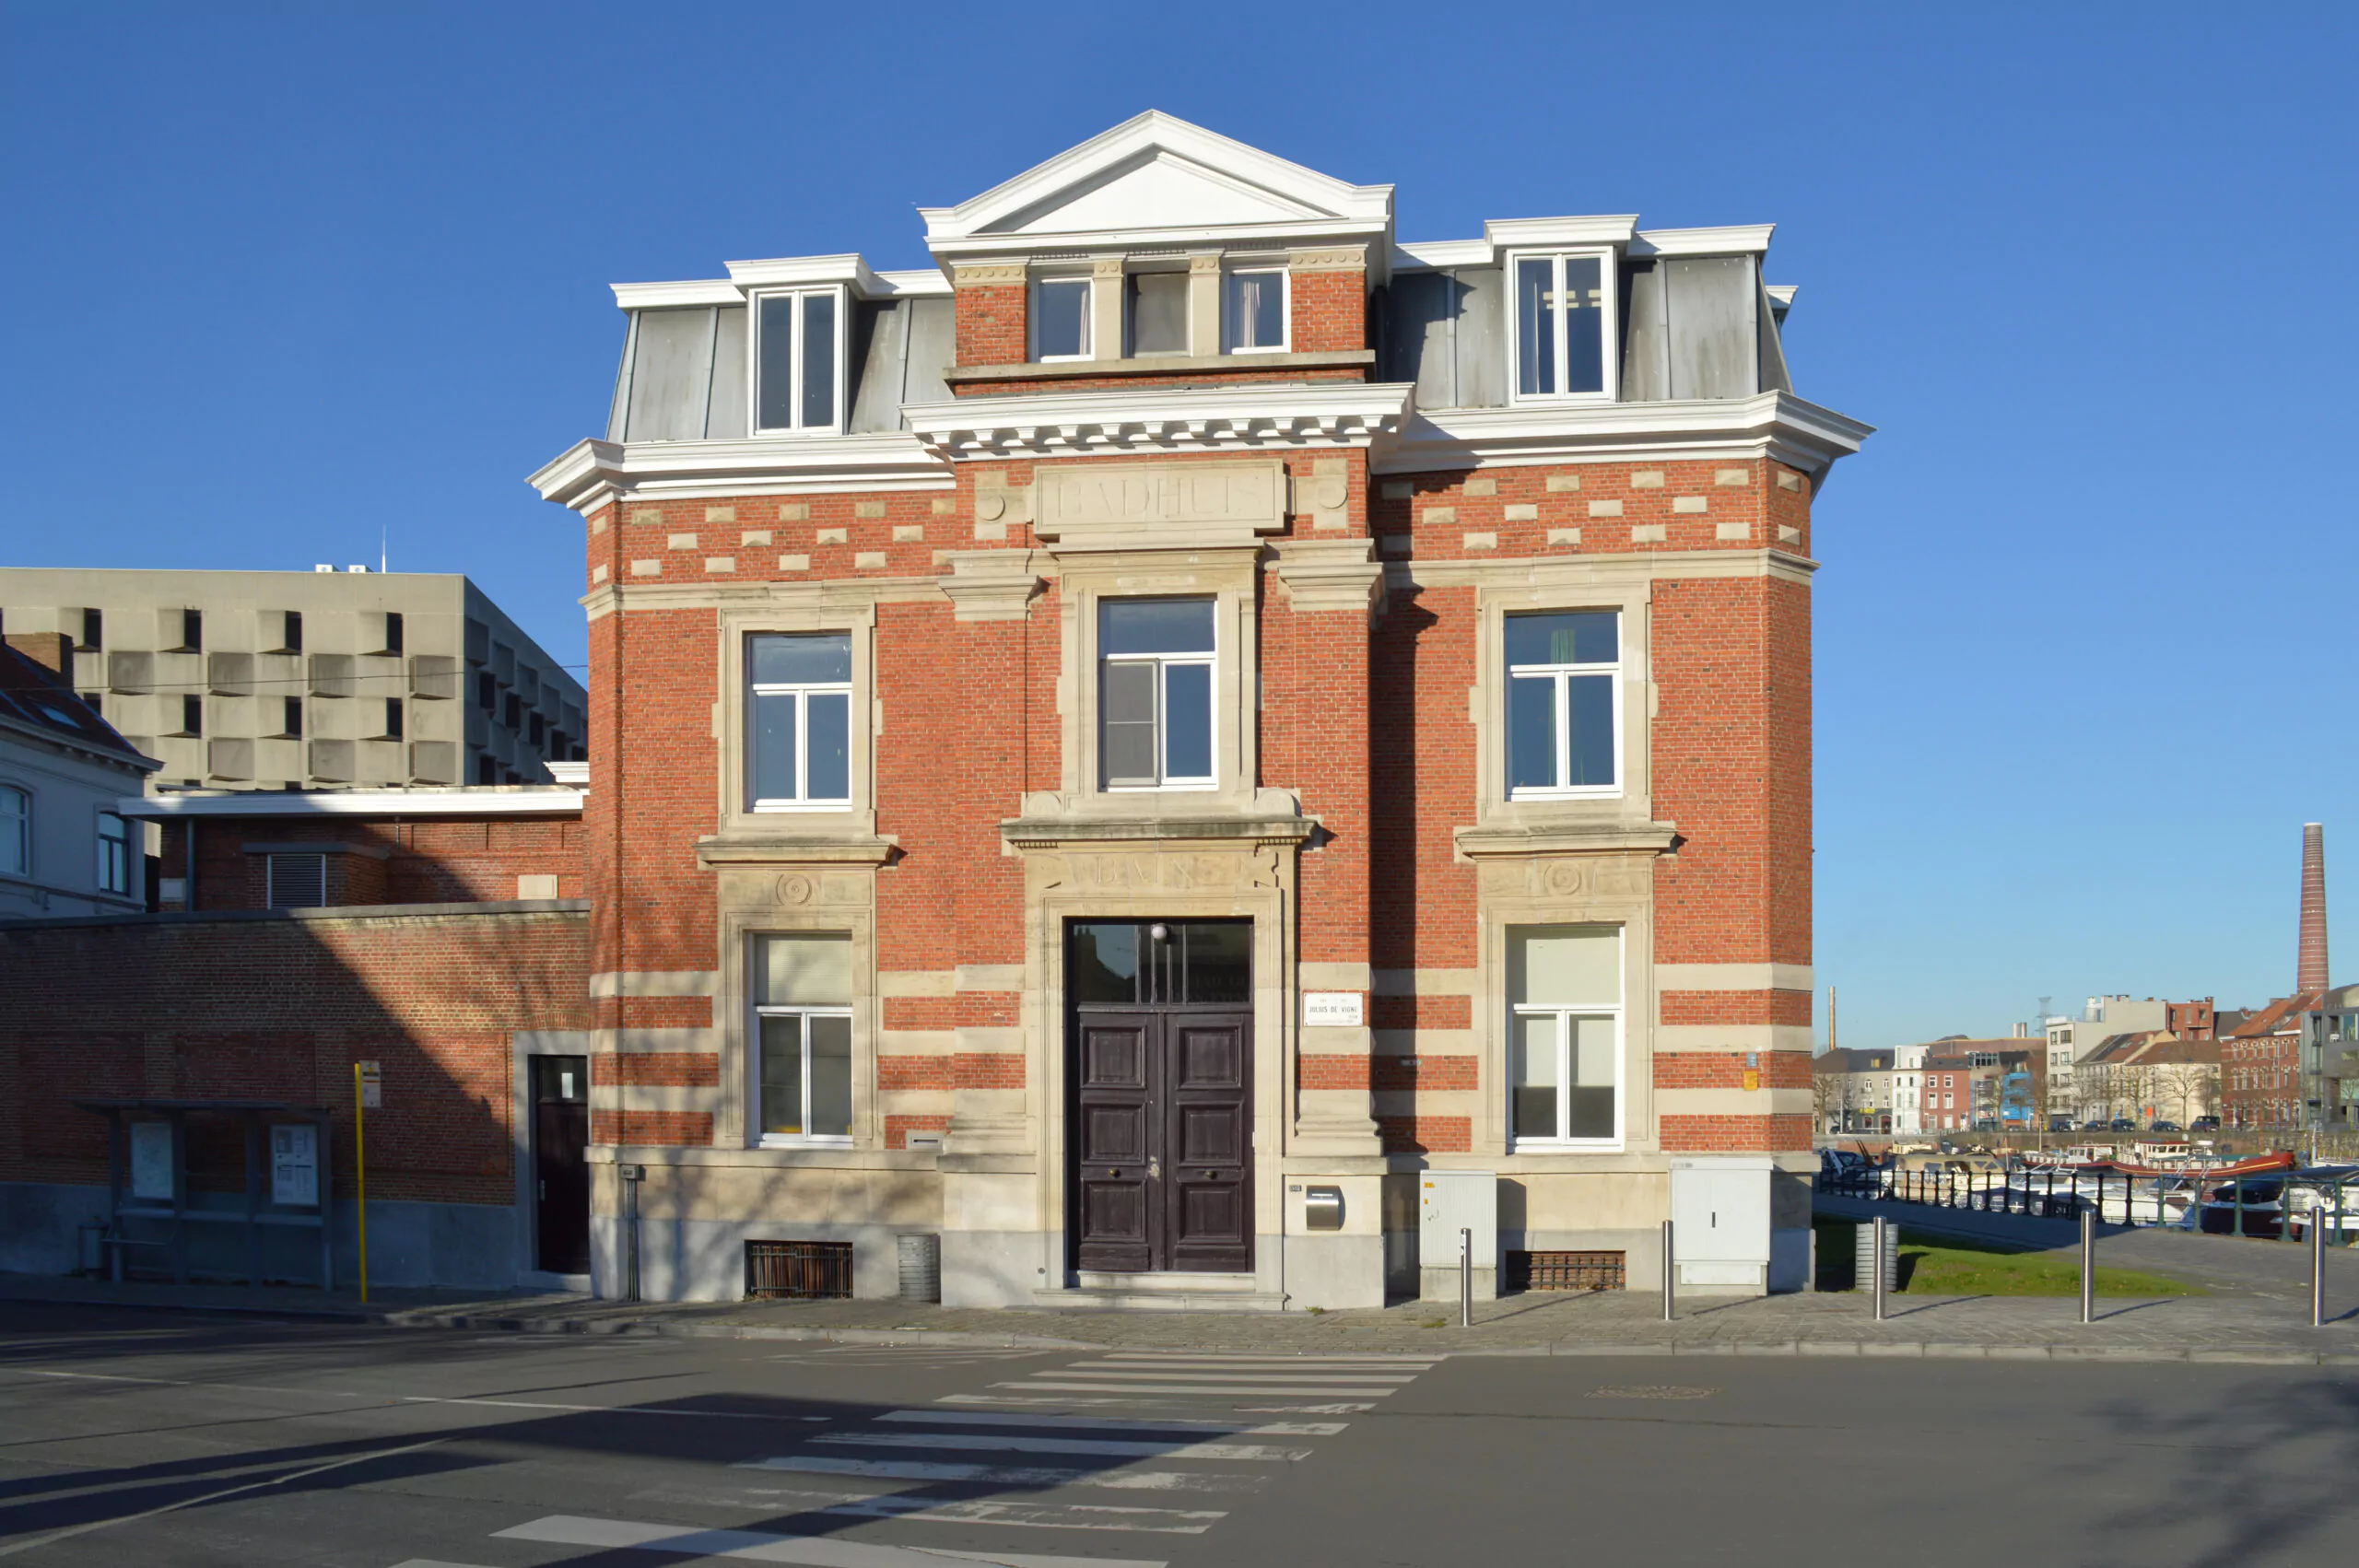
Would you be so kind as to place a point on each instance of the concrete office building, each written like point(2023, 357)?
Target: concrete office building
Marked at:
point(318, 680)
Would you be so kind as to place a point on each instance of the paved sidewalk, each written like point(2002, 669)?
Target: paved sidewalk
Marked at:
point(2214, 1328)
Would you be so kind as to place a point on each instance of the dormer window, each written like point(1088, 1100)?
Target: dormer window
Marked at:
point(1253, 310)
point(1563, 301)
point(798, 362)
point(1061, 318)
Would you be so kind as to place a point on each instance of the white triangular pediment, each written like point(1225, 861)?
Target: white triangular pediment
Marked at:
point(1161, 191)
point(1158, 172)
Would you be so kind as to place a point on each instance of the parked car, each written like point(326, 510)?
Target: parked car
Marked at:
point(2204, 1124)
point(2097, 1125)
point(2121, 1124)
point(2060, 1124)
point(2165, 1127)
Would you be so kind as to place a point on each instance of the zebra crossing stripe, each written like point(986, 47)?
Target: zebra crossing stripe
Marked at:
point(1134, 1402)
point(1031, 1515)
point(1125, 1479)
point(1110, 1448)
point(1231, 1390)
point(1101, 1423)
point(1219, 1375)
point(761, 1546)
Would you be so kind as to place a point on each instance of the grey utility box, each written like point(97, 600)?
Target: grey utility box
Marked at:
point(1719, 1222)
point(1449, 1202)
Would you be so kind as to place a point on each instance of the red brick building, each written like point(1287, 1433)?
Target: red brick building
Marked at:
point(440, 934)
point(2260, 1066)
point(1189, 702)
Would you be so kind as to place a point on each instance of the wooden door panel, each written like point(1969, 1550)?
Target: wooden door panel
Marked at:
point(1208, 1122)
point(1116, 1222)
point(1114, 1135)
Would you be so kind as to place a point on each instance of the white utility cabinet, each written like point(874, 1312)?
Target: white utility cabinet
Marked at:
point(1448, 1203)
point(1719, 1221)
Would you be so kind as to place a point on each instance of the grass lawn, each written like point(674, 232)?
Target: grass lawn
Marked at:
point(1949, 1265)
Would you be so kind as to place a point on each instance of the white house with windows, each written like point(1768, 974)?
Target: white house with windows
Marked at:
point(64, 846)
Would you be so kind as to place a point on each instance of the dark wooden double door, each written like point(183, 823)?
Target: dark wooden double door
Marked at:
point(1161, 1114)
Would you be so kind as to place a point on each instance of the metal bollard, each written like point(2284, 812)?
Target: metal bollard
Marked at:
point(1670, 1274)
point(1880, 1245)
point(1466, 1278)
point(2318, 1269)
point(2088, 1266)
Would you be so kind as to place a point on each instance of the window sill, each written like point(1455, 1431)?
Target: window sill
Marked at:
point(1163, 365)
point(852, 844)
point(1557, 833)
point(1051, 818)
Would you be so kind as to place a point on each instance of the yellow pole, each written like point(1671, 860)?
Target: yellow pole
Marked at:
point(360, 1177)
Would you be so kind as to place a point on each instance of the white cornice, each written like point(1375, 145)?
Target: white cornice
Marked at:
point(697, 291)
point(916, 281)
point(458, 800)
point(850, 268)
point(1740, 240)
point(1774, 423)
point(1510, 233)
point(1443, 254)
point(1134, 142)
point(591, 472)
point(1292, 233)
point(784, 272)
point(1165, 419)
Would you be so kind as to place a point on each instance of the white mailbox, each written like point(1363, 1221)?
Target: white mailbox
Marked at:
point(1449, 1202)
point(1719, 1221)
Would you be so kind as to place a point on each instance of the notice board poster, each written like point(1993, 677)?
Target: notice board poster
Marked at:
point(151, 1160)
point(295, 1167)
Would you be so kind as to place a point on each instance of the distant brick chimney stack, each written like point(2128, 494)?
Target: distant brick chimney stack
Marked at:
point(52, 650)
point(2312, 956)
point(55, 650)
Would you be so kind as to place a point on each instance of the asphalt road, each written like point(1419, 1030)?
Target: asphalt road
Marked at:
point(145, 1438)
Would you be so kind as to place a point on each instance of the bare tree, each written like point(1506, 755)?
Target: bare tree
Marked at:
point(2192, 1086)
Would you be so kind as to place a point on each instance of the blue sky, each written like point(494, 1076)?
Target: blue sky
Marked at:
point(285, 276)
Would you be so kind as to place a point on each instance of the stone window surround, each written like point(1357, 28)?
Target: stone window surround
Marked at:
point(1535, 591)
point(1231, 577)
point(734, 713)
point(1538, 904)
point(749, 909)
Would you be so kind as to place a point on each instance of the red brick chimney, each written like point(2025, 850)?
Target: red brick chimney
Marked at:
point(55, 650)
point(2311, 967)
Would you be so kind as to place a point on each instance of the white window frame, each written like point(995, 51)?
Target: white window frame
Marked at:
point(762, 1136)
point(1564, 1012)
point(1610, 276)
point(1088, 319)
point(802, 692)
point(1561, 675)
point(114, 871)
point(1164, 664)
point(1228, 344)
point(834, 427)
point(15, 831)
